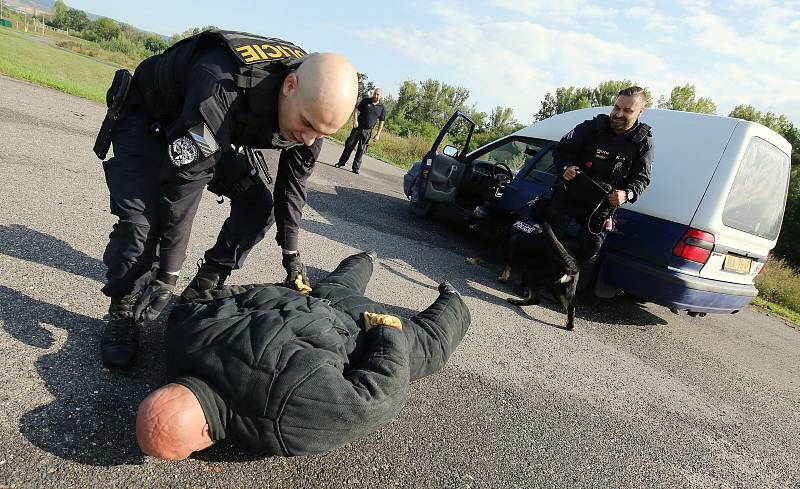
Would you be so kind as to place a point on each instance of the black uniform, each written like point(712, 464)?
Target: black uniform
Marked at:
point(368, 115)
point(188, 112)
point(290, 374)
point(623, 162)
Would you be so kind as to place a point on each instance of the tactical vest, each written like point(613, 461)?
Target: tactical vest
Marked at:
point(611, 158)
point(260, 59)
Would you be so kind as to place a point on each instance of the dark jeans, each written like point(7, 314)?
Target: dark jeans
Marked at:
point(358, 137)
point(433, 334)
point(132, 176)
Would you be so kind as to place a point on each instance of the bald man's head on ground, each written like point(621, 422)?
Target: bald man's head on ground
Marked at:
point(317, 99)
point(170, 423)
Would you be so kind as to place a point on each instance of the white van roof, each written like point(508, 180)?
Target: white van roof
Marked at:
point(688, 149)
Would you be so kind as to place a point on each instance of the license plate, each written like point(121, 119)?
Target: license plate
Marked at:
point(737, 264)
point(524, 227)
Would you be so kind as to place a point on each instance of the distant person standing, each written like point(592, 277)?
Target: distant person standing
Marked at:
point(366, 114)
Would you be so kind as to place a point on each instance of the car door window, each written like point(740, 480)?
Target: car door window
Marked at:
point(544, 171)
point(514, 153)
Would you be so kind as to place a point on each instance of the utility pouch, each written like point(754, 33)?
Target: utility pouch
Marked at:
point(115, 100)
point(232, 178)
point(592, 194)
point(238, 172)
point(587, 192)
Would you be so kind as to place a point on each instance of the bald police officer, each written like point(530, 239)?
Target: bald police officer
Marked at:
point(187, 120)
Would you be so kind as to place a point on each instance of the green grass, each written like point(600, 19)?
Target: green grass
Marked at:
point(777, 309)
point(93, 50)
point(779, 289)
point(34, 58)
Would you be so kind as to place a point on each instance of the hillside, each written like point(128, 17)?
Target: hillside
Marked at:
point(29, 6)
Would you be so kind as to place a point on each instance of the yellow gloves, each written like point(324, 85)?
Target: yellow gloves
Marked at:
point(373, 320)
point(301, 286)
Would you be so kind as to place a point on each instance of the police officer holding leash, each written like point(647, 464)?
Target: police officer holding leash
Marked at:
point(187, 118)
point(606, 162)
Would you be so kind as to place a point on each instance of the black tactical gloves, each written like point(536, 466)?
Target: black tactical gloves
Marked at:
point(155, 297)
point(294, 269)
point(209, 276)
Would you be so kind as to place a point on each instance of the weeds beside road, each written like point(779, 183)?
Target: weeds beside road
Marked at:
point(779, 286)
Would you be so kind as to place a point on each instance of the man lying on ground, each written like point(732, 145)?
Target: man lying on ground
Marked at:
point(291, 374)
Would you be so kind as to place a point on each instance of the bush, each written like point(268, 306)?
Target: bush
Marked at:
point(780, 283)
point(95, 51)
point(399, 151)
point(124, 45)
point(790, 231)
point(393, 149)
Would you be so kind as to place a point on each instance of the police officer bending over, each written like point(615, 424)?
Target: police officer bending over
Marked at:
point(188, 119)
point(616, 151)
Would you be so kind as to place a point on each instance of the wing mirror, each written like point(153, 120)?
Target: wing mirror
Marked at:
point(451, 151)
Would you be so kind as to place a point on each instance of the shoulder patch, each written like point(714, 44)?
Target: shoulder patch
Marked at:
point(183, 151)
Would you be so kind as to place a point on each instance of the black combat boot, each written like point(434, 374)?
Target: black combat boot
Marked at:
point(120, 340)
point(209, 276)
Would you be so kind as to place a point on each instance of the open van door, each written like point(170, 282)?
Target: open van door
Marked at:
point(441, 171)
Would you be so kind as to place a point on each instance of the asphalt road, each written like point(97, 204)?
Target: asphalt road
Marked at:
point(634, 397)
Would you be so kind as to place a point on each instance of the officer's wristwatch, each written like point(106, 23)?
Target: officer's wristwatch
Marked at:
point(629, 195)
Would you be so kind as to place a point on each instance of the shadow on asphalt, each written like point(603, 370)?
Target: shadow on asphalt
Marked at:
point(226, 451)
point(90, 419)
point(28, 244)
point(391, 215)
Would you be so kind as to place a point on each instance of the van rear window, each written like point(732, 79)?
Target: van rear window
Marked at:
point(758, 196)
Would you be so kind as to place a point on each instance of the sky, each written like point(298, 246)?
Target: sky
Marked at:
point(511, 53)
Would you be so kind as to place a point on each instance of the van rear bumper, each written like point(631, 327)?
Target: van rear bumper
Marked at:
point(674, 289)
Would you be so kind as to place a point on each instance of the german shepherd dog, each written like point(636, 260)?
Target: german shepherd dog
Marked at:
point(559, 272)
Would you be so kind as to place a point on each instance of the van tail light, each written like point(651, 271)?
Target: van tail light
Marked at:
point(695, 245)
point(761, 271)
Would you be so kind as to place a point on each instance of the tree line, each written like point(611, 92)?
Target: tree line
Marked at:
point(421, 108)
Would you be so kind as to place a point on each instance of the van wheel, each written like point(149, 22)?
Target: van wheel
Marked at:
point(421, 209)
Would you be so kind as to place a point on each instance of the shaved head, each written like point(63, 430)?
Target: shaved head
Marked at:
point(170, 423)
point(317, 99)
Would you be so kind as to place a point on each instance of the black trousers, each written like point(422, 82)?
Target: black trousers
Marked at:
point(433, 334)
point(132, 176)
point(358, 137)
